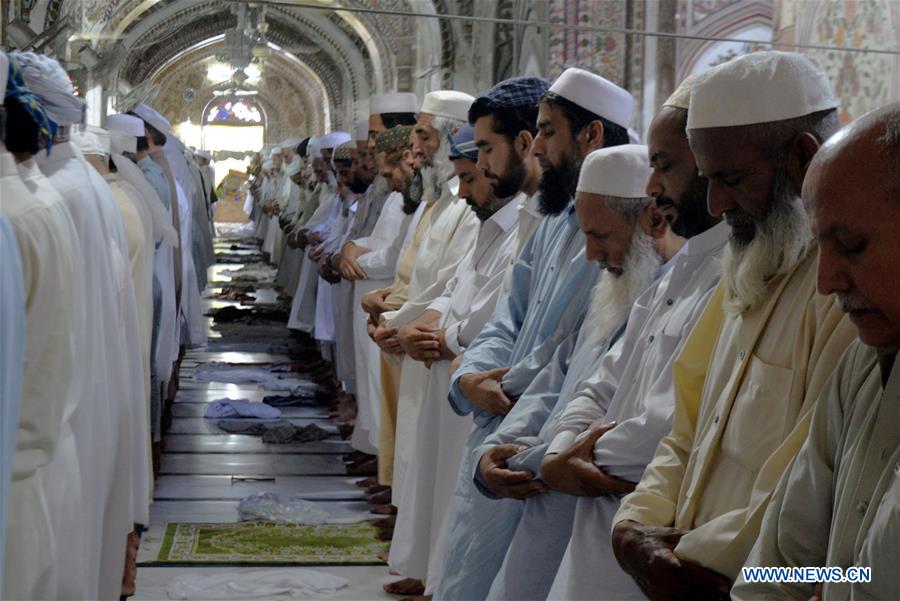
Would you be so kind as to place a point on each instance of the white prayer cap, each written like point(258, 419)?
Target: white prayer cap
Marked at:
point(290, 143)
point(334, 139)
point(312, 147)
point(760, 87)
point(403, 102)
point(4, 71)
point(681, 97)
point(268, 164)
point(93, 140)
point(274, 151)
point(595, 94)
point(154, 118)
point(621, 171)
point(361, 131)
point(294, 166)
point(126, 124)
point(120, 142)
point(49, 81)
point(448, 103)
point(205, 154)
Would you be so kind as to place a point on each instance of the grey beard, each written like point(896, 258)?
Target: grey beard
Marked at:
point(613, 296)
point(780, 242)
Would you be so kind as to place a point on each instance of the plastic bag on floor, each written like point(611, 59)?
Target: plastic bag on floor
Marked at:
point(272, 507)
point(264, 584)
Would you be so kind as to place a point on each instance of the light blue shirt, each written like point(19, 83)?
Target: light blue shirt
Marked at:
point(12, 360)
point(157, 178)
point(546, 303)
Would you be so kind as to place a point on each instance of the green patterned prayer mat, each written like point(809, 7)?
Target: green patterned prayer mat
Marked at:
point(270, 543)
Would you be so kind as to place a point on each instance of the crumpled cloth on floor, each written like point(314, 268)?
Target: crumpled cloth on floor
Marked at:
point(291, 400)
point(264, 376)
point(240, 408)
point(253, 427)
point(236, 314)
point(272, 507)
point(262, 584)
point(284, 434)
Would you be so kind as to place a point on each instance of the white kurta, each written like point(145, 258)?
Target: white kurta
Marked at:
point(12, 362)
point(191, 304)
point(385, 243)
point(303, 306)
point(108, 382)
point(439, 434)
point(138, 229)
point(451, 236)
point(839, 504)
point(51, 391)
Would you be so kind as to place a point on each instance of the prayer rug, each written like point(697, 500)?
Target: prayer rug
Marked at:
point(270, 543)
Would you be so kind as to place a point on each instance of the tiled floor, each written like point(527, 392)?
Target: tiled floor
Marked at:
point(206, 471)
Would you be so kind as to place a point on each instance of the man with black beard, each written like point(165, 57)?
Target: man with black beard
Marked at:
point(505, 120)
point(748, 376)
point(547, 300)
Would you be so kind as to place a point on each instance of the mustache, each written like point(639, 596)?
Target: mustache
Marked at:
point(850, 303)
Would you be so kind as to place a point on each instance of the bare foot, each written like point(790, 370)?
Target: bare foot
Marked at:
point(385, 534)
point(386, 509)
point(380, 498)
point(367, 482)
point(385, 523)
point(407, 587)
point(383, 556)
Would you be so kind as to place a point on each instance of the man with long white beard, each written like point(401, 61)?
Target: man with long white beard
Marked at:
point(748, 376)
point(839, 503)
point(632, 382)
point(548, 297)
point(444, 233)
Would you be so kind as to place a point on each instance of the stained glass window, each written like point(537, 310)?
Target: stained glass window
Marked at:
point(234, 112)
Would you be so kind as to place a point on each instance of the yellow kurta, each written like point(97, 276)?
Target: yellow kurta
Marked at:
point(745, 387)
point(840, 503)
point(390, 366)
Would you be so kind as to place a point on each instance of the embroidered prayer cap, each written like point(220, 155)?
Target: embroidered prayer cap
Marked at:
point(50, 82)
point(294, 166)
point(16, 90)
point(401, 102)
point(334, 139)
point(462, 144)
point(760, 87)
point(361, 131)
point(511, 93)
point(154, 118)
point(621, 171)
point(595, 94)
point(393, 140)
point(290, 143)
point(447, 103)
point(92, 140)
point(681, 97)
point(344, 152)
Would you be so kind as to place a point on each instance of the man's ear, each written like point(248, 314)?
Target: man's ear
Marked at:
point(652, 221)
point(803, 148)
point(522, 143)
point(593, 133)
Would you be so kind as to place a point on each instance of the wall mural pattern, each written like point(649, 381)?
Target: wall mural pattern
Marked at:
point(599, 52)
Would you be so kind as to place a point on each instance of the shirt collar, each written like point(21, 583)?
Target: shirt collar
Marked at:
point(508, 216)
point(709, 240)
point(530, 204)
point(60, 151)
point(28, 168)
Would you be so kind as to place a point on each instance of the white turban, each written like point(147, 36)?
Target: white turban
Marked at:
point(400, 102)
point(93, 140)
point(448, 103)
point(124, 130)
point(49, 81)
point(334, 139)
point(313, 149)
point(361, 131)
point(760, 87)
point(154, 118)
point(290, 143)
point(621, 171)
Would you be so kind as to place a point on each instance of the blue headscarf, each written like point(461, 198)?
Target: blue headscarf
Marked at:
point(17, 91)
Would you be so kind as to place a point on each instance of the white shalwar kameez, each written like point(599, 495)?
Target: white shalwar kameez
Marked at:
point(439, 434)
point(386, 242)
point(54, 297)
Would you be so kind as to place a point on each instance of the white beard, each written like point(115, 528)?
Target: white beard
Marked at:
point(779, 243)
point(613, 296)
